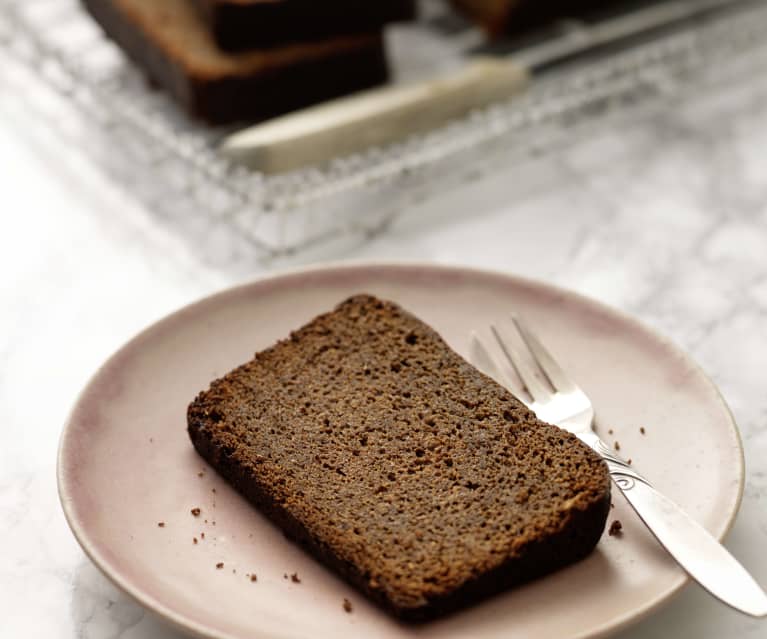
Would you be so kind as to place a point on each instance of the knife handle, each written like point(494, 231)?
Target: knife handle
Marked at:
point(372, 118)
point(696, 550)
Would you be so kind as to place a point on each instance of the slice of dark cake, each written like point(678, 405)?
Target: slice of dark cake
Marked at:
point(243, 24)
point(398, 464)
point(518, 16)
point(171, 42)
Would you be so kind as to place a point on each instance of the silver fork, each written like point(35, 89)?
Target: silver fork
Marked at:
point(562, 402)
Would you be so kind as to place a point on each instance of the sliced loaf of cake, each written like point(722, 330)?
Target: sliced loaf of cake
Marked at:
point(171, 42)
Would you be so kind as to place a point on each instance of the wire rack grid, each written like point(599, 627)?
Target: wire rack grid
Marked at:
point(169, 162)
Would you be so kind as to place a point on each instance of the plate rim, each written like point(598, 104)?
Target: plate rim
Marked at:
point(182, 622)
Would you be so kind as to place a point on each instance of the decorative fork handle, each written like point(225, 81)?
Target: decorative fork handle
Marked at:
point(696, 550)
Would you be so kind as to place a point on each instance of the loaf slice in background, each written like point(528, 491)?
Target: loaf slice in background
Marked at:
point(171, 42)
point(517, 16)
point(243, 24)
point(398, 464)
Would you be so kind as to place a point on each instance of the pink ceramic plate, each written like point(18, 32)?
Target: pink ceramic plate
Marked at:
point(126, 463)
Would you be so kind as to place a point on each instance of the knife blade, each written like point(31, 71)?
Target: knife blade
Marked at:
point(381, 116)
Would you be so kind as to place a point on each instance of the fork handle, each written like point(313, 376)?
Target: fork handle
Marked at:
point(695, 549)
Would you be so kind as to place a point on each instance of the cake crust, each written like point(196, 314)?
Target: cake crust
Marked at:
point(397, 464)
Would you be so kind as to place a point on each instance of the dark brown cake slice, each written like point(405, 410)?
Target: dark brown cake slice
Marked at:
point(398, 464)
point(243, 24)
point(516, 16)
point(170, 40)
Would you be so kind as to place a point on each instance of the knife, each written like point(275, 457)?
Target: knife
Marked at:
point(381, 116)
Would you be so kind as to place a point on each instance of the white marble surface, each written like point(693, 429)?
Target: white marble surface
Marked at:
point(664, 217)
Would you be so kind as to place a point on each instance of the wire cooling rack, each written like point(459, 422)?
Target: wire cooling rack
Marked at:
point(171, 164)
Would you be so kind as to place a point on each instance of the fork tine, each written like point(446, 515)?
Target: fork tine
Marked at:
point(534, 386)
point(558, 378)
point(486, 362)
point(482, 358)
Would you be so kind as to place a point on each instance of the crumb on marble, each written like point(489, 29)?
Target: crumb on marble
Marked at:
point(616, 528)
point(347, 605)
point(196, 512)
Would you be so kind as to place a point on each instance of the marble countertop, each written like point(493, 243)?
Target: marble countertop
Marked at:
point(663, 216)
